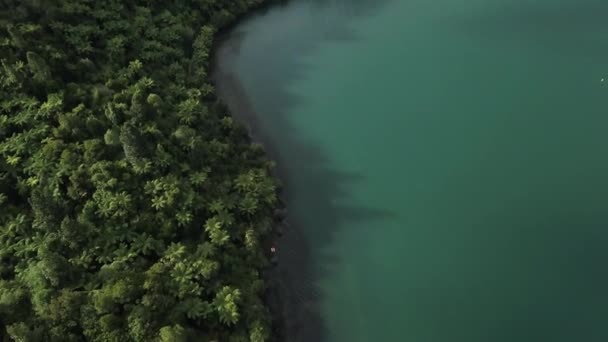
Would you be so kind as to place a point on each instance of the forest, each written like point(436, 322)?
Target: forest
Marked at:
point(132, 206)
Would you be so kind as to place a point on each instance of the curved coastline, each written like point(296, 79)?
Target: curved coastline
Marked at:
point(296, 297)
point(291, 297)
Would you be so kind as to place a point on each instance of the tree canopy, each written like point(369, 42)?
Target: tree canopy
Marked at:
point(132, 206)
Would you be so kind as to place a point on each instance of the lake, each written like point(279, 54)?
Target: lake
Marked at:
point(445, 165)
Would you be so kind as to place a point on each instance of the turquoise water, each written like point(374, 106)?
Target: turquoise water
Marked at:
point(445, 164)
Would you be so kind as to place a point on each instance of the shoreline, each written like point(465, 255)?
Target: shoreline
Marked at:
point(292, 297)
point(240, 109)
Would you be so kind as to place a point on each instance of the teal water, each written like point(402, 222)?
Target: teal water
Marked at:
point(445, 164)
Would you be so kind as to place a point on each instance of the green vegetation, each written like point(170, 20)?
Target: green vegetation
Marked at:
point(132, 207)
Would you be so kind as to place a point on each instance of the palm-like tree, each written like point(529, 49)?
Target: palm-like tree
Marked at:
point(225, 303)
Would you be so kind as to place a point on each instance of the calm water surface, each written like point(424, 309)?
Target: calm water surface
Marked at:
point(446, 164)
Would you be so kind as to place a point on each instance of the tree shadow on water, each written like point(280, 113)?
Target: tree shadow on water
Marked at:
point(314, 191)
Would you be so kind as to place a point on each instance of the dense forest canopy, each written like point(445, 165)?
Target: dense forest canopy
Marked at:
point(132, 207)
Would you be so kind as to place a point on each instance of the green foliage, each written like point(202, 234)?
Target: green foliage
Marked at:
point(226, 304)
point(174, 333)
point(131, 207)
point(38, 66)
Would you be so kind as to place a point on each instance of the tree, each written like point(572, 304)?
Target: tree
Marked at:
point(38, 67)
point(225, 302)
point(174, 333)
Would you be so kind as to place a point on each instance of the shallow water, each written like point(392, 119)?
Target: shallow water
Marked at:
point(445, 164)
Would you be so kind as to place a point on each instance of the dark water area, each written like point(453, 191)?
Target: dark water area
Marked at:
point(444, 163)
